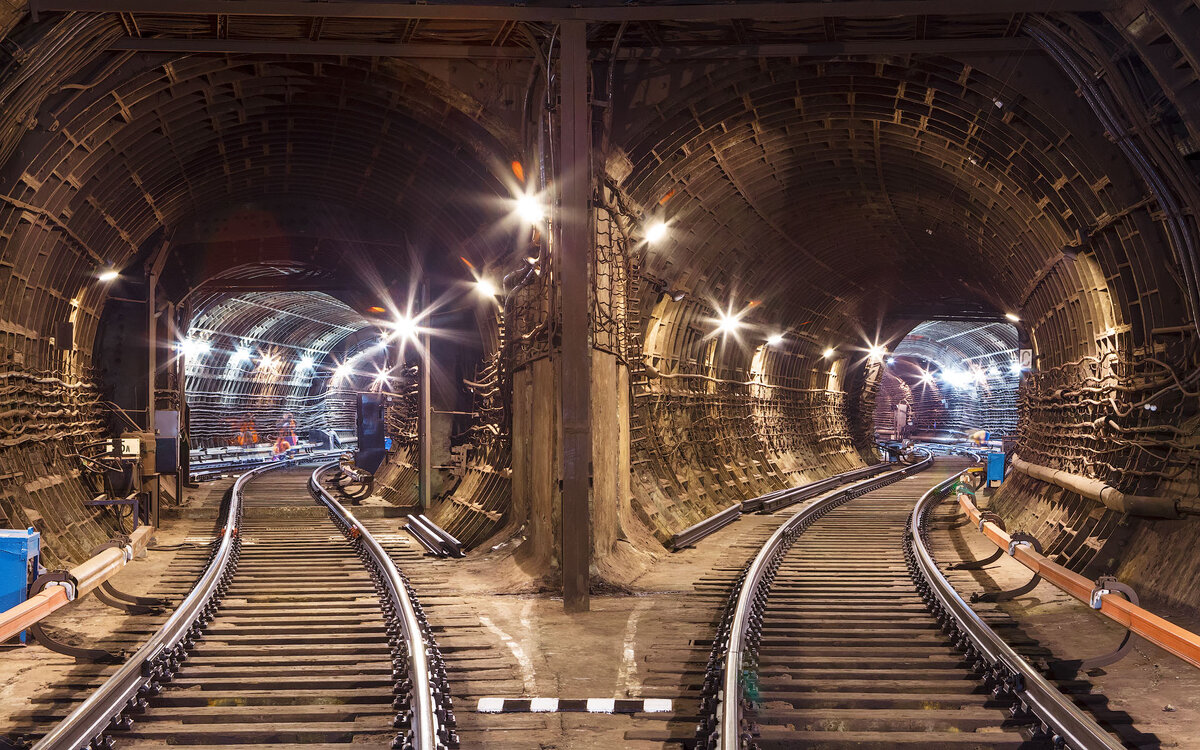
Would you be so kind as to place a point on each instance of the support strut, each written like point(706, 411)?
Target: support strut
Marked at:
point(981, 564)
point(1068, 667)
point(1019, 538)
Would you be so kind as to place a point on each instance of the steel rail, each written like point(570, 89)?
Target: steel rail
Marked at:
point(127, 690)
point(1163, 633)
point(1003, 669)
point(427, 731)
point(744, 620)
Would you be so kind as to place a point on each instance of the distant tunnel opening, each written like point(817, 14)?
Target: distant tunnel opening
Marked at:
point(268, 365)
point(949, 380)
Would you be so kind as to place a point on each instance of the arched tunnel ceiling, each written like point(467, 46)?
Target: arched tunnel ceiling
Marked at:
point(837, 184)
point(287, 326)
point(146, 145)
point(866, 187)
point(953, 343)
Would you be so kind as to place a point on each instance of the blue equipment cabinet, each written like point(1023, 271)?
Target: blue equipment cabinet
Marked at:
point(20, 558)
point(995, 469)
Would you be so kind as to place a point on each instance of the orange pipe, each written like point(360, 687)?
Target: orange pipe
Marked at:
point(1183, 643)
point(89, 575)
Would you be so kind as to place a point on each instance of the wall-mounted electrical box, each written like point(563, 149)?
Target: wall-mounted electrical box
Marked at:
point(995, 469)
point(20, 558)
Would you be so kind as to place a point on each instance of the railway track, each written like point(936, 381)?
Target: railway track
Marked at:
point(300, 633)
point(842, 632)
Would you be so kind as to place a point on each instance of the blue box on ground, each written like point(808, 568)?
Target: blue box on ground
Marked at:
point(995, 469)
point(20, 552)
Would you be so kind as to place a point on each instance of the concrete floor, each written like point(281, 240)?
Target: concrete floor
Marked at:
point(504, 639)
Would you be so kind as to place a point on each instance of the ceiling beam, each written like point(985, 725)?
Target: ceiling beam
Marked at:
point(614, 13)
point(826, 49)
point(278, 284)
point(306, 47)
point(461, 51)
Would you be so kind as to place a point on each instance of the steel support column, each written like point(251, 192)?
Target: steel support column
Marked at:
point(424, 409)
point(575, 377)
point(150, 483)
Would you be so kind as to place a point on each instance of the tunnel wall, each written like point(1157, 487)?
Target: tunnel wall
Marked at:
point(714, 420)
point(828, 190)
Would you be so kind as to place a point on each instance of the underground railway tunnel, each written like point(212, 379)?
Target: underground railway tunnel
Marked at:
point(705, 375)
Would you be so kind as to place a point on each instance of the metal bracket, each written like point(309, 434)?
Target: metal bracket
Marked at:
point(56, 578)
point(986, 516)
point(1104, 585)
point(78, 652)
point(1017, 539)
point(66, 580)
point(117, 599)
point(105, 593)
point(980, 564)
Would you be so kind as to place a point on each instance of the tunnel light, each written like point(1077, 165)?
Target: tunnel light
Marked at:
point(656, 232)
point(876, 353)
point(530, 209)
point(109, 274)
point(193, 348)
point(993, 371)
point(775, 339)
point(485, 287)
point(926, 377)
point(960, 379)
point(1012, 317)
point(727, 323)
point(268, 363)
point(306, 362)
point(406, 328)
point(1015, 368)
point(342, 372)
point(891, 361)
point(241, 356)
point(829, 352)
point(382, 379)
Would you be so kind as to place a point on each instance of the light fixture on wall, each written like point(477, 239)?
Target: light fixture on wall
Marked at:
point(530, 209)
point(727, 323)
point(485, 287)
point(656, 231)
point(191, 348)
point(406, 328)
point(239, 357)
